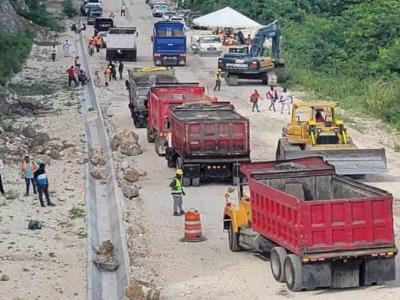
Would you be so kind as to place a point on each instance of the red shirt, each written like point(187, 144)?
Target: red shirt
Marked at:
point(255, 96)
point(71, 72)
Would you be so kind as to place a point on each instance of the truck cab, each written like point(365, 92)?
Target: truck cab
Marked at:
point(169, 44)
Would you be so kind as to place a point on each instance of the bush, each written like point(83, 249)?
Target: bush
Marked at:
point(13, 52)
point(40, 16)
point(69, 8)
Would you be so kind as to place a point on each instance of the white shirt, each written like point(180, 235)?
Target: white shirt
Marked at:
point(286, 97)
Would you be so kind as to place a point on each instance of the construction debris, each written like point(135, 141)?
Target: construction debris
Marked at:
point(106, 259)
point(141, 290)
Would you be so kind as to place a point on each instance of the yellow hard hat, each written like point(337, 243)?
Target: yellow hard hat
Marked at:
point(179, 172)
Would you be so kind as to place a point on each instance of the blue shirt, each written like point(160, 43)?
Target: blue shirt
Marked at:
point(28, 171)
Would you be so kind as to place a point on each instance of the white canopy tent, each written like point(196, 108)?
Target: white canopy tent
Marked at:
point(226, 18)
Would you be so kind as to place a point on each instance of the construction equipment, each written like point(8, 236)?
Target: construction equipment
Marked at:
point(319, 229)
point(315, 130)
point(121, 44)
point(138, 84)
point(257, 63)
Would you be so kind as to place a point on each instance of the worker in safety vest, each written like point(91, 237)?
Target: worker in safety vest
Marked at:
point(28, 169)
point(218, 79)
point(177, 192)
point(123, 9)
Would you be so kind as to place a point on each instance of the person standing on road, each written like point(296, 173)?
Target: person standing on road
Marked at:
point(66, 47)
point(107, 75)
point(123, 9)
point(286, 99)
point(72, 76)
point(177, 192)
point(218, 78)
point(254, 97)
point(53, 52)
point(43, 185)
point(1, 181)
point(77, 63)
point(120, 69)
point(28, 169)
point(272, 95)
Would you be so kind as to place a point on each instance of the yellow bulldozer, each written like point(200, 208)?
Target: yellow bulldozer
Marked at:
point(314, 130)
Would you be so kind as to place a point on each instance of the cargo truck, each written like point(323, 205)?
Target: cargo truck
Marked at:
point(138, 84)
point(208, 142)
point(121, 44)
point(161, 99)
point(318, 228)
point(169, 44)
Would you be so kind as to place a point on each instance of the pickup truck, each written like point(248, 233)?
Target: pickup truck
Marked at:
point(138, 84)
point(207, 44)
point(318, 228)
point(159, 9)
point(161, 99)
point(208, 141)
point(169, 44)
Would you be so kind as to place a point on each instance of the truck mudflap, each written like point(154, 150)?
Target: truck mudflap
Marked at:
point(346, 161)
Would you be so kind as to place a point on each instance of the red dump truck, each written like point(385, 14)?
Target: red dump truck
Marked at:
point(161, 98)
point(208, 142)
point(319, 229)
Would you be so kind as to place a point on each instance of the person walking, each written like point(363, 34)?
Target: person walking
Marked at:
point(77, 63)
point(177, 192)
point(123, 9)
point(286, 99)
point(72, 76)
point(1, 181)
point(254, 97)
point(43, 185)
point(107, 75)
point(272, 95)
point(66, 47)
point(218, 78)
point(120, 69)
point(28, 169)
point(53, 52)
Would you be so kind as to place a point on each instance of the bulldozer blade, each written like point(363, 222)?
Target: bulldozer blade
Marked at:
point(348, 161)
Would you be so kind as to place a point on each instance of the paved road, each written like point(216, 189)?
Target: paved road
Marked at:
point(206, 270)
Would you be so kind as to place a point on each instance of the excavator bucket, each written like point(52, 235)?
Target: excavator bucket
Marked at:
point(354, 162)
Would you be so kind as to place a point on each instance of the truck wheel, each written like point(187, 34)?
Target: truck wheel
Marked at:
point(292, 267)
point(185, 181)
point(233, 239)
point(196, 181)
point(171, 162)
point(277, 260)
point(150, 136)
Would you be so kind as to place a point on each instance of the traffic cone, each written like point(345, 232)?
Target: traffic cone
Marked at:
point(193, 232)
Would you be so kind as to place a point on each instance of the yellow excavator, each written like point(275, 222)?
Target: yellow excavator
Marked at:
point(314, 130)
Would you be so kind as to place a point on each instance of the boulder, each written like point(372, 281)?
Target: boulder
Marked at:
point(124, 165)
point(122, 137)
point(130, 149)
point(53, 153)
point(141, 290)
point(40, 139)
point(29, 132)
point(53, 145)
point(43, 159)
point(130, 191)
point(106, 259)
point(30, 103)
point(37, 150)
point(131, 174)
point(96, 157)
point(99, 173)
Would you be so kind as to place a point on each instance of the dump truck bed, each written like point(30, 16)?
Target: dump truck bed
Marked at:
point(162, 97)
point(308, 209)
point(210, 131)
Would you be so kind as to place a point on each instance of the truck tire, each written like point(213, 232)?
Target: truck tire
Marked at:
point(171, 162)
point(186, 181)
point(150, 136)
point(277, 259)
point(233, 238)
point(196, 181)
point(292, 267)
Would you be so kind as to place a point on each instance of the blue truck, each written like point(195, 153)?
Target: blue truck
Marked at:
point(169, 44)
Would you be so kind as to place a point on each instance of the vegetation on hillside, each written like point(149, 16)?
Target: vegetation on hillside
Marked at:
point(347, 50)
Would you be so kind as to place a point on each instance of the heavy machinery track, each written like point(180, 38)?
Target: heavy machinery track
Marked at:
point(104, 209)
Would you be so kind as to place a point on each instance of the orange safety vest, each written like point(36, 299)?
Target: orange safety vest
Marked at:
point(33, 167)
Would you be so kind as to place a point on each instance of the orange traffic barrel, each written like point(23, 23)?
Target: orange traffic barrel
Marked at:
point(193, 232)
